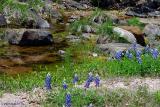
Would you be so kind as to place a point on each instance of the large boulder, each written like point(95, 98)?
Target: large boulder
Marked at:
point(152, 31)
point(112, 48)
point(29, 37)
point(125, 34)
point(137, 32)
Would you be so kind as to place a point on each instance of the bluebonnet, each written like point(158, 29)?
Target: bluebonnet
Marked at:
point(134, 46)
point(147, 49)
point(139, 59)
point(75, 79)
point(65, 86)
point(48, 81)
point(87, 84)
point(129, 54)
point(90, 77)
point(68, 100)
point(97, 80)
point(155, 53)
point(138, 53)
point(118, 55)
point(89, 80)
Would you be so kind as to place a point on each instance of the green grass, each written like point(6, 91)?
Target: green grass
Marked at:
point(106, 28)
point(135, 22)
point(79, 60)
point(126, 67)
point(79, 98)
point(77, 26)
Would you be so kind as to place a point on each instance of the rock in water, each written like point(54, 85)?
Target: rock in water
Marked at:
point(29, 37)
point(125, 34)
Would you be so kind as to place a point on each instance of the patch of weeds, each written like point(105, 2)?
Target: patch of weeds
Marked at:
point(79, 98)
point(77, 26)
point(141, 97)
point(106, 28)
point(157, 97)
point(135, 22)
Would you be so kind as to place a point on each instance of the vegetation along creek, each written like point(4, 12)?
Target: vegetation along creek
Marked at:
point(79, 53)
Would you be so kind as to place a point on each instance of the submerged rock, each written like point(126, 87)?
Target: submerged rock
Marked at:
point(29, 37)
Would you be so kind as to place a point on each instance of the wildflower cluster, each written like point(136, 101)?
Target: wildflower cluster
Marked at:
point(90, 79)
point(133, 50)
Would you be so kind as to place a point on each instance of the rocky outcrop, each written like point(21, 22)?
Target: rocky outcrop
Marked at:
point(29, 37)
point(148, 8)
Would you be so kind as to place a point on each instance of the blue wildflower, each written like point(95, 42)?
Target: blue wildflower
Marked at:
point(68, 100)
point(89, 80)
point(118, 55)
point(48, 81)
point(129, 54)
point(139, 59)
point(97, 80)
point(138, 53)
point(90, 77)
point(155, 53)
point(65, 86)
point(134, 46)
point(147, 49)
point(75, 79)
point(87, 84)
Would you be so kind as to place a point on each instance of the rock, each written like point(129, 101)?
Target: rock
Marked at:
point(42, 24)
point(149, 8)
point(73, 38)
point(124, 34)
point(102, 40)
point(116, 4)
point(152, 31)
point(111, 48)
point(137, 32)
point(88, 36)
point(73, 5)
point(2, 21)
point(39, 22)
point(29, 37)
point(150, 20)
point(61, 52)
point(94, 54)
point(73, 18)
point(87, 29)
